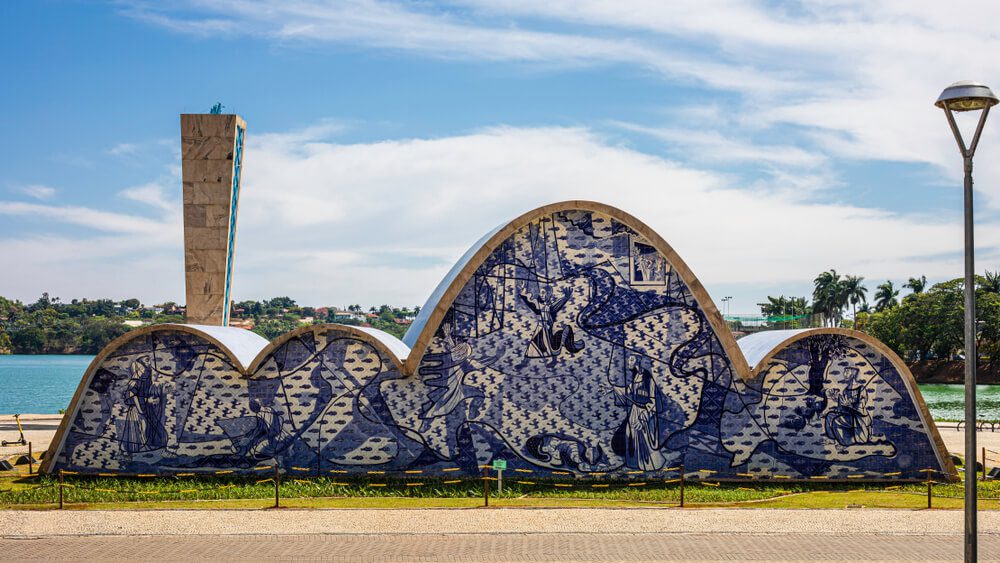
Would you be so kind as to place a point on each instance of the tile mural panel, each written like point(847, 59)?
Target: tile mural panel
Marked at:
point(575, 346)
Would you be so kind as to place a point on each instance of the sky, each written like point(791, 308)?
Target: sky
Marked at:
point(765, 141)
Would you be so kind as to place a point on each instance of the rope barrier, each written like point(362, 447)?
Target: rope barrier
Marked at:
point(402, 473)
point(319, 483)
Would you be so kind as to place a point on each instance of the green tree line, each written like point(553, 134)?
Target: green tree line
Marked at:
point(83, 326)
point(274, 317)
point(925, 324)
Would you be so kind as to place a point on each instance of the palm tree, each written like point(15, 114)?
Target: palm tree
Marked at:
point(885, 296)
point(916, 285)
point(991, 282)
point(853, 292)
point(827, 295)
point(863, 308)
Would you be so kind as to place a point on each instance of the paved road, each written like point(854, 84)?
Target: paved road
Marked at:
point(502, 547)
point(515, 535)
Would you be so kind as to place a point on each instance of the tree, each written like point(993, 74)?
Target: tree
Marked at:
point(44, 302)
point(885, 296)
point(30, 340)
point(853, 291)
point(9, 309)
point(916, 285)
point(990, 282)
point(386, 313)
point(97, 332)
point(822, 350)
point(273, 328)
point(781, 308)
point(131, 303)
point(927, 324)
point(827, 295)
point(281, 303)
point(885, 325)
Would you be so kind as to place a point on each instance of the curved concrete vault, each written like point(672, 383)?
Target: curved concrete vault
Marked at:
point(572, 338)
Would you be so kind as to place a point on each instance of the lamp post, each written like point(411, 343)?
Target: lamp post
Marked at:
point(969, 96)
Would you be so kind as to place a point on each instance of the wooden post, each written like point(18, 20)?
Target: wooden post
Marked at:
point(984, 465)
point(60, 489)
point(682, 485)
point(929, 485)
point(31, 460)
point(277, 486)
point(486, 486)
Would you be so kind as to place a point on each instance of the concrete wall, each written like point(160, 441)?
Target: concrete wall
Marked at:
point(211, 155)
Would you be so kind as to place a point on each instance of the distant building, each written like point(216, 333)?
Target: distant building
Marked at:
point(247, 324)
point(341, 315)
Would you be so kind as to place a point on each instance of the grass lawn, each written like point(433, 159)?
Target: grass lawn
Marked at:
point(18, 491)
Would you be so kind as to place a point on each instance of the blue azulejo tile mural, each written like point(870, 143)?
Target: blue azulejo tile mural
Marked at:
point(571, 344)
point(173, 400)
point(831, 405)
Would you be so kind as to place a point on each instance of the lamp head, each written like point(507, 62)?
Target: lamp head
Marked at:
point(966, 96)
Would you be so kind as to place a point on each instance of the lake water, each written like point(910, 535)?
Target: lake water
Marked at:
point(39, 384)
point(45, 384)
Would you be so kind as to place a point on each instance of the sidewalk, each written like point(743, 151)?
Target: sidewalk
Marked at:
point(495, 535)
point(14, 523)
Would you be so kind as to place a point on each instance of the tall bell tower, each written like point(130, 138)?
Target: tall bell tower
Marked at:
point(211, 157)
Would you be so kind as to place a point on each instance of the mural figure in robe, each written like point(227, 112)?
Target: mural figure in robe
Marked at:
point(647, 266)
point(548, 342)
point(445, 374)
point(638, 438)
point(267, 435)
point(849, 422)
point(143, 428)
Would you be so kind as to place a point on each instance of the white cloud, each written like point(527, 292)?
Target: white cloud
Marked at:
point(382, 222)
point(95, 219)
point(95, 266)
point(857, 78)
point(712, 147)
point(123, 149)
point(443, 33)
point(38, 191)
point(337, 218)
point(154, 195)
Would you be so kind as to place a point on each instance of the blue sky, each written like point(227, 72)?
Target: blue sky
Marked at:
point(765, 141)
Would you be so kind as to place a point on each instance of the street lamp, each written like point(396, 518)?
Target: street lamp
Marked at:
point(968, 96)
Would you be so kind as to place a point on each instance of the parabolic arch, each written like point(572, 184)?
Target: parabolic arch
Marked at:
point(572, 339)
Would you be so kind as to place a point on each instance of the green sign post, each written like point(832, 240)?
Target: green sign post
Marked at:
point(499, 465)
